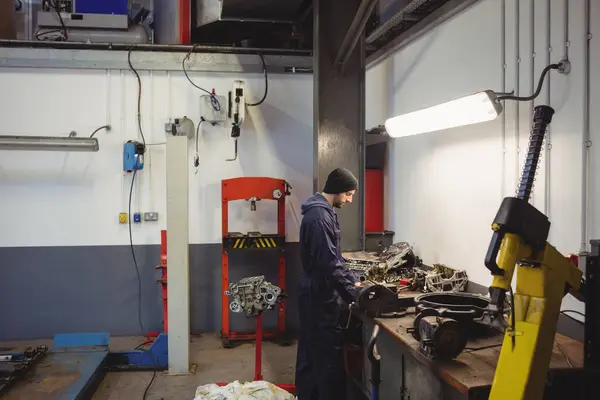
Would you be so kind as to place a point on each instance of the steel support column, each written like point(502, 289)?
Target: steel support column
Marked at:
point(339, 110)
point(178, 288)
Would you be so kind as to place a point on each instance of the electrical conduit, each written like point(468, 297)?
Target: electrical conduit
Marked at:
point(548, 97)
point(517, 72)
point(503, 49)
point(586, 143)
point(532, 41)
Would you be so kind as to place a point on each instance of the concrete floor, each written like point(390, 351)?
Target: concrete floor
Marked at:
point(213, 364)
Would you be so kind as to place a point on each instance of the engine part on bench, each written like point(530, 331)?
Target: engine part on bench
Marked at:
point(396, 263)
point(253, 295)
point(360, 267)
point(459, 304)
point(441, 338)
point(466, 308)
point(400, 255)
point(445, 279)
point(376, 300)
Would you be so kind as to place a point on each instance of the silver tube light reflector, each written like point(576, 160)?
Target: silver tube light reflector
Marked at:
point(48, 143)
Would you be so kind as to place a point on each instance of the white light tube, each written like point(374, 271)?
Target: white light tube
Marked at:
point(48, 143)
point(472, 109)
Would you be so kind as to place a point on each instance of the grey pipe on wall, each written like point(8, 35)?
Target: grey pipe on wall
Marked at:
point(517, 91)
point(533, 85)
point(586, 143)
point(136, 34)
point(548, 98)
point(567, 41)
point(503, 122)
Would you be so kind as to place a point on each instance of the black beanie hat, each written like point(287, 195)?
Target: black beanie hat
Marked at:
point(340, 180)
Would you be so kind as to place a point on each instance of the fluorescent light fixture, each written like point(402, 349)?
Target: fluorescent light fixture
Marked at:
point(48, 143)
point(472, 109)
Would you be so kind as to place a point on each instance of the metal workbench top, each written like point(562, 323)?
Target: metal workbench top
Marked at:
point(473, 370)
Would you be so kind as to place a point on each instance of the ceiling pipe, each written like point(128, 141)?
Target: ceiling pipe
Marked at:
point(353, 34)
point(258, 20)
point(173, 48)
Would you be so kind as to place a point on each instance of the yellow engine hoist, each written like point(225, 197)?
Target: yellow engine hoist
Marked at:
point(544, 277)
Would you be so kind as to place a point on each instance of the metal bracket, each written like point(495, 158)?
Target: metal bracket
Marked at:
point(564, 67)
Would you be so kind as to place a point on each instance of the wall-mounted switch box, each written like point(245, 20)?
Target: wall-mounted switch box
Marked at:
point(151, 216)
point(213, 108)
point(123, 218)
point(133, 156)
point(137, 217)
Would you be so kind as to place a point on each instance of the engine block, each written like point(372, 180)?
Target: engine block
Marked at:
point(253, 295)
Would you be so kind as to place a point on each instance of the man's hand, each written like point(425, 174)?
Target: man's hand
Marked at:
point(357, 284)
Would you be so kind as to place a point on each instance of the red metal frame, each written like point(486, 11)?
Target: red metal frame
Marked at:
point(151, 336)
point(243, 189)
point(163, 281)
point(185, 7)
point(291, 388)
point(374, 200)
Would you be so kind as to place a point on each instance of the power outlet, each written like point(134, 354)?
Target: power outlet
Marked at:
point(151, 216)
point(123, 218)
point(137, 217)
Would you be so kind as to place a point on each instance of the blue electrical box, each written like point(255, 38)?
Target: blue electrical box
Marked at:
point(133, 156)
point(116, 7)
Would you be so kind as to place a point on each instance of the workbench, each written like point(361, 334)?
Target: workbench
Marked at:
point(408, 374)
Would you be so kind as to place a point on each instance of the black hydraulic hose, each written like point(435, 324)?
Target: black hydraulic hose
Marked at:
point(542, 116)
point(375, 360)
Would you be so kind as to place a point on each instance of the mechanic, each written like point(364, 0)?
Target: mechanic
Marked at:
point(320, 372)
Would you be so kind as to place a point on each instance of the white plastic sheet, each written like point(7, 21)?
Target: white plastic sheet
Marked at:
point(257, 390)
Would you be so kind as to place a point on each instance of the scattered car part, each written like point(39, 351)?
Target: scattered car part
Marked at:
point(253, 295)
point(441, 338)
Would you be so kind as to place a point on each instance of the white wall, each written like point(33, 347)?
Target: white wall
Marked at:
point(447, 186)
point(71, 199)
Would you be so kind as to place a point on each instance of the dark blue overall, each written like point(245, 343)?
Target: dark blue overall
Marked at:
point(320, 372)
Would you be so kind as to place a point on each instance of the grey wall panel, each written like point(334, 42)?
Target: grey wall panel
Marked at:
point(49, 290)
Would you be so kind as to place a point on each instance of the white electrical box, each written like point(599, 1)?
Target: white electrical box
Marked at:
point(238, 102)
point(213, 108)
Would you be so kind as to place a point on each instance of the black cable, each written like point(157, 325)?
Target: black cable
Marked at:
point(574, 312)
point(139, 120)
point(139, 347)
point(56, 7)
point(139, 101)
point(537, 91)
point(151, 381)
point(39, 35)
point(491, 346)
point(198, 132)
point(513, 318)
point(213, 99)
point(137, 269)
point(107, 127)
point(564, 312)
point(262, 59)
